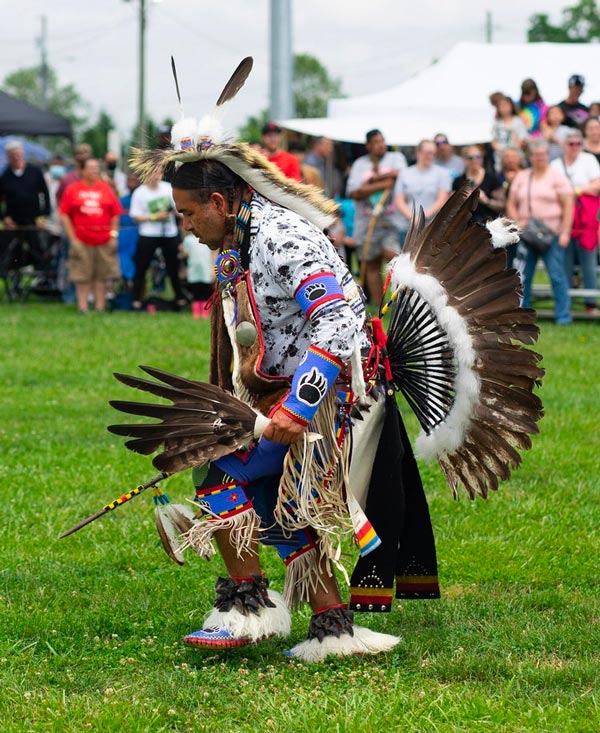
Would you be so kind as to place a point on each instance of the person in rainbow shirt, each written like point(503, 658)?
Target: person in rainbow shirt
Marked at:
point(532, 108)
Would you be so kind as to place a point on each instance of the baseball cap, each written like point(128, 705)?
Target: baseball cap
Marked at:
point(576, 80)
point(270, 127)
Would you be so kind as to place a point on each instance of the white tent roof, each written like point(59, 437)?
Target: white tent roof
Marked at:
point(452, 95)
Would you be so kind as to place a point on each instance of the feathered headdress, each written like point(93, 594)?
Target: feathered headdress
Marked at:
point(205, 139)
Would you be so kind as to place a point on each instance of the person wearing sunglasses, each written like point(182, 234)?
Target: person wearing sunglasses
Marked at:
point(532, 108)
point(583, 171)
point(445, 156)
point(491, 199)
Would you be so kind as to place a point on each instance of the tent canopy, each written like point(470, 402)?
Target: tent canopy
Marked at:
point(20, 118)
point(33, 151)
point(452, 95)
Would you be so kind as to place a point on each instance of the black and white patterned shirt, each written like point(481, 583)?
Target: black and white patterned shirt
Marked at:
point(286, 250)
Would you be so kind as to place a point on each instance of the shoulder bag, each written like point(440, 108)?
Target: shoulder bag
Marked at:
point(536, 234)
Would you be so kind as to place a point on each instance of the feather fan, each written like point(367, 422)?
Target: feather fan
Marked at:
point(455, 345)
point(203, 422)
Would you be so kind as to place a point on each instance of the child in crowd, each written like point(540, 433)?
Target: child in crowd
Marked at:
point(200, 275)
point(509, 130)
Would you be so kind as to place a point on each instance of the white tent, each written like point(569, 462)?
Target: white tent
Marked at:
point(452, 95)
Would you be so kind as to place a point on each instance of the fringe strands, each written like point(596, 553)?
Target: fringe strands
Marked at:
point(244, 532)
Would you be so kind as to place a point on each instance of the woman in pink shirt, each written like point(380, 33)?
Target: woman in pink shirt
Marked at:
point(544, 193)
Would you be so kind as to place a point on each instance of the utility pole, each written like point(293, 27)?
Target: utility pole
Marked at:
point(282, 92)
point(141, 121)
point(489, 27)
point(142, 76)
point(42, 43)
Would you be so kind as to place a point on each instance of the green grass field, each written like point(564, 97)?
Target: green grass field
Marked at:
point(90, 626)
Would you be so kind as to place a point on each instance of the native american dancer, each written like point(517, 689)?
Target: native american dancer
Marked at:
point(295, 360)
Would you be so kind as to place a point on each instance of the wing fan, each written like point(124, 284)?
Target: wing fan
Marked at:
point(203, 422)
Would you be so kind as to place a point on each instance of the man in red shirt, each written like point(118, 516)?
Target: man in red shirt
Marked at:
point(90, 214)
point(286, 162)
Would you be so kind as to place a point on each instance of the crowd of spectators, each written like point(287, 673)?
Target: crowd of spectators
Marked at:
point(541, 162)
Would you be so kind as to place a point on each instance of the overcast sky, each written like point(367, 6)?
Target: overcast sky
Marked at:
point(370, 45)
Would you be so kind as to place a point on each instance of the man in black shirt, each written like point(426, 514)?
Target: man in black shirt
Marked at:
point(575, 112)
point(24, 201)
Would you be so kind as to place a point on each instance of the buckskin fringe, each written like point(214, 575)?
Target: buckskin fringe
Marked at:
point(311, 491)
point(244, 532)
point(303, 575)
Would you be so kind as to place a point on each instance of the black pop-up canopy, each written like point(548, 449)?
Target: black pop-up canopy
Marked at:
point(20, 118)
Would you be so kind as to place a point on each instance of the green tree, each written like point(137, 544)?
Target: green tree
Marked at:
point(313, 87)
point(65, 100)
point(249, 132)
point(97, 134)
point(580, 24)
point(151, 132)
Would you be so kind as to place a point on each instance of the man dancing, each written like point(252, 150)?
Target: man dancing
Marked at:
point(294, 297)
point(289, 338)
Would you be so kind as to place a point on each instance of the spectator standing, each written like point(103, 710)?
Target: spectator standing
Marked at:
point(56, 172)
point(508, 131)
point(575, 111)
point(591, 136)
point(53, 224)
point(81, 153)
point(423, 185)
point(90, 214)
point(491, 200)
point(25, 200)
point(113, 175)
point(200, 275)
point(445, 157)
point(512, 163)
point(555, 131)
point(128, 234)
point(532, 108)
point(286, 162)
point(595, 109)
point(321, 150)
point(543, 192)
point(153, 208)
point(371, 177)
point(583, 172)
point(310, 175)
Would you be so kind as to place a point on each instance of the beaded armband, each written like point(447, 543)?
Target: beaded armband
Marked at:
point(314, 377)
point(318, 290)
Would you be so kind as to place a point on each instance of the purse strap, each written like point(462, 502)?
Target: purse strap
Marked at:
point(529, 193)
point(568, 175)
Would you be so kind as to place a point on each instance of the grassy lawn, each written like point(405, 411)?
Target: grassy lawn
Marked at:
point(90, 626)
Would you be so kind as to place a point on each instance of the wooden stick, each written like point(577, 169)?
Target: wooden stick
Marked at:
point(372, 221)
point(114, 504)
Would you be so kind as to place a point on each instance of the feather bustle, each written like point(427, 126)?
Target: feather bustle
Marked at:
point(505, 412)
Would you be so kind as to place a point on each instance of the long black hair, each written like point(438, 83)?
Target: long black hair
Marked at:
point(204, 177)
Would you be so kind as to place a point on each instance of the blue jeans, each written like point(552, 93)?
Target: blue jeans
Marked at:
point(554, 260)
point(588, 262)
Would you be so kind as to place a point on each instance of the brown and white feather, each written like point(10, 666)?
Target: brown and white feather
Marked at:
point(459, 269)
